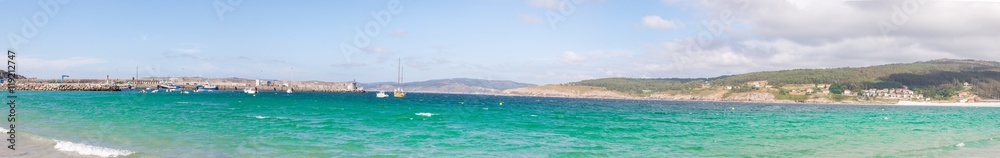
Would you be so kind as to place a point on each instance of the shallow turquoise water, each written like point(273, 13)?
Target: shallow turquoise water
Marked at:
point(233, 124)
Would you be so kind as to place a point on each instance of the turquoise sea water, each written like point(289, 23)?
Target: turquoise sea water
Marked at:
point(233, 124)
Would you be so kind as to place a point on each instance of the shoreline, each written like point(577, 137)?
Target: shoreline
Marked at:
point(34, 145)
point(901, 103)
point(442, 110)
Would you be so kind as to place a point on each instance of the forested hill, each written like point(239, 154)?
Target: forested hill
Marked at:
point(943, 77)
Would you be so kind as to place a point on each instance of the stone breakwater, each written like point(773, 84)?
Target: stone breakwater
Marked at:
point(65, 87)
point(185, 83)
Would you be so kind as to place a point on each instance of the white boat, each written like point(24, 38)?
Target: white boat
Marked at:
point(168, 86)
point(154, 91)
point(209, 86)
point(250, 90)
point(185, 92)
point(381, 94)
point(289, 91)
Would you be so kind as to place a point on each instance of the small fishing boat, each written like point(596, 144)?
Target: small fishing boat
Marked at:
point(381, 94)
point(250, 90)
point(209, 86)
point(168, 86)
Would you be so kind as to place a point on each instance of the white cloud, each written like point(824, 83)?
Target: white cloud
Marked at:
point(597, 57)
point(56, 64)
point(784, 34)
point(672, 57)
point(657, 22)
point(349, 65)
point(188, 50)
point(530, 19)
point(399, 33)
point(572, 58)
point(547, 4)
point(378, 50)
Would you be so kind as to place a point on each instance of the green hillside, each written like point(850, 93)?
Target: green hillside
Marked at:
point(937, 78)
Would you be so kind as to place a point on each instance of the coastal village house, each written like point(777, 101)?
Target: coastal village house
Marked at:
point(894, 93)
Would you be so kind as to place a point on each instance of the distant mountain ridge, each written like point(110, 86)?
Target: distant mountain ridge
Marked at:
point(3, 74)
point(454, 85)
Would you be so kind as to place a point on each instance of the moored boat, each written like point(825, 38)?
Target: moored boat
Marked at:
point(381, 94)
point(398, 93)
point(250, 90)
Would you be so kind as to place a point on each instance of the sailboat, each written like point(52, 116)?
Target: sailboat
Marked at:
point(290, 78)
point(399, 83)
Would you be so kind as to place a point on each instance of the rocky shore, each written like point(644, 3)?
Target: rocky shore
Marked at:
point(65, 87)
point(185, 83)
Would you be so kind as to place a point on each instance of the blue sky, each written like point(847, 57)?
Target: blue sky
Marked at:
point(486, 39)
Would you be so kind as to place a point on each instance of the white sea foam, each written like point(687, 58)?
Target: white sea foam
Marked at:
point(266, 117)
point(425, 114)
point(84, 149)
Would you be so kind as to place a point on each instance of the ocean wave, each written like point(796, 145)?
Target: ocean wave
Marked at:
point(79, 148)
point(425, 114)
point(266, 117)
point(84, 149)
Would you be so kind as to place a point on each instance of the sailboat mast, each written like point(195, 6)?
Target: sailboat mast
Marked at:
point(399, 80)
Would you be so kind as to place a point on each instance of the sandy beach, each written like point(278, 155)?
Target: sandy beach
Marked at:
point(912, 103)
point(900, 103)
point(35, 146)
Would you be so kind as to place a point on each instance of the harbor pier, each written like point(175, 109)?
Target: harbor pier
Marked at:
point(185, 83)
